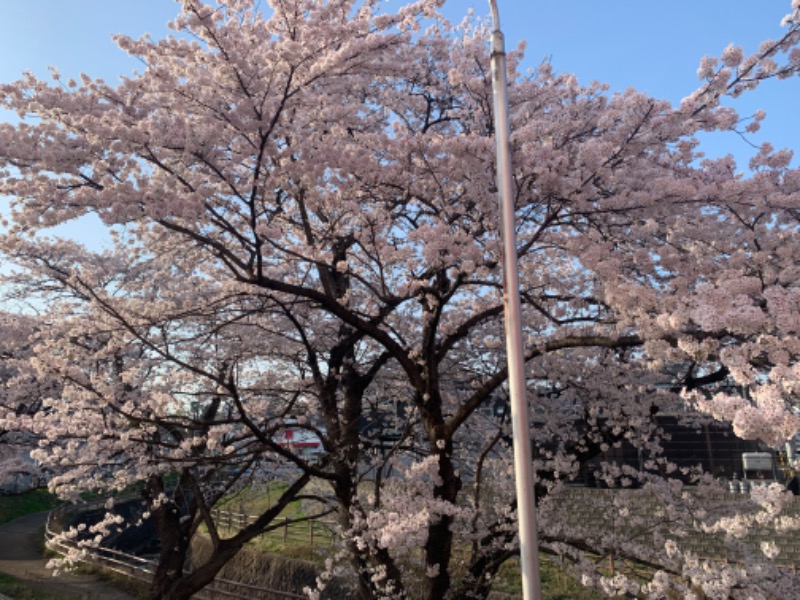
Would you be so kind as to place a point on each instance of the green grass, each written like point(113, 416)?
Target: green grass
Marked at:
point(295, 544)
point(19, 505)
point(15, 589)
point(556, 583)
point(130, 585)
point(256, 500)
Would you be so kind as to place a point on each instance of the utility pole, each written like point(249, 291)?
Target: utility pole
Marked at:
point(520, 421)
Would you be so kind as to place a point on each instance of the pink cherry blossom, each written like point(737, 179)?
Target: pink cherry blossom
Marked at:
point(305, 239)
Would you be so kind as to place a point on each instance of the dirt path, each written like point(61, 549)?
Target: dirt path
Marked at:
point(21, 557)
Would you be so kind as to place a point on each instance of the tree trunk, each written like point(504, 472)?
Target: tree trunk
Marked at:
point(174, 548)
point(169, 581)
point(439, 545)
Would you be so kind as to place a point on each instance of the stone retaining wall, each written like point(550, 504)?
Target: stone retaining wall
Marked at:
point(267, 570)
point(648, 521)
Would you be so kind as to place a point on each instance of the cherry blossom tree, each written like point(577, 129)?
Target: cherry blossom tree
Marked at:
point(306, 231)
point(151, 401)
point(21, 397)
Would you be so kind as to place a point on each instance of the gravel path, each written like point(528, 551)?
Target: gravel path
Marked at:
point(21, 557)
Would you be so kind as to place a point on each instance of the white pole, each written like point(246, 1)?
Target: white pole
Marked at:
point(523, 456)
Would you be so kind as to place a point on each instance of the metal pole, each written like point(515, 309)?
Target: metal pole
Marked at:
point(523, 456)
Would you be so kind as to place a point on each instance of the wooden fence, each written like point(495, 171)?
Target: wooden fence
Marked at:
point(311, 533)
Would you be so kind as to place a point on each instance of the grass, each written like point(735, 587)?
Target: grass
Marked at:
point(556, 583)
point(15, 589)
point(132, 586)
point(19, 505)
point(296, 542)
point(254, 500)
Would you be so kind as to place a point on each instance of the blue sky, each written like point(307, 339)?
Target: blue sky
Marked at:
point(652, 46)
